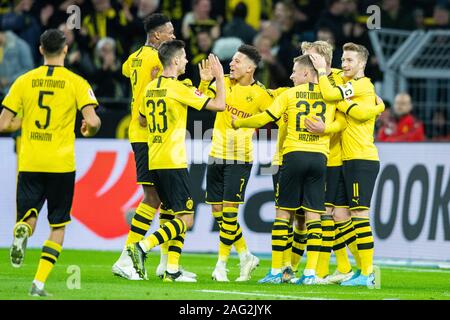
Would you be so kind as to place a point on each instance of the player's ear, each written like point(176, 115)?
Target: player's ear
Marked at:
point(41, 50)
point(65, 49)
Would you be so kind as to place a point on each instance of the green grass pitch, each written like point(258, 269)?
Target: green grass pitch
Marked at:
point(97, 282)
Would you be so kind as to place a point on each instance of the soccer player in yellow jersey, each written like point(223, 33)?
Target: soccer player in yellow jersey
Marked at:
point(336, 223)
point(164, 113)
point(359, 153)
point(47, 98)
point(141, 67)
point(301, 184)
point(231, 156)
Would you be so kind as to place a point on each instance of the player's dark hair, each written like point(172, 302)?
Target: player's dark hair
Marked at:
point(251, 52)
point(53, 41)
point(154, 21)
point(168, 50)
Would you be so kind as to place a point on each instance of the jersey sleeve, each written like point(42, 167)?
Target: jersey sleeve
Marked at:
point(13, 99)
point(338, 124)
point(190, 95)
point(266, 100)
point(208, 88)
point(84, 94)
point(362, 111)
point(278, 107)
point(126, 68)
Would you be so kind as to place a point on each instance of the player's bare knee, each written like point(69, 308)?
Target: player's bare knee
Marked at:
point(217, 207)
point(151, 197)
point(230, 205)
point(188, 220)
point(283, 214)
point(341, 214)
point(360, 213)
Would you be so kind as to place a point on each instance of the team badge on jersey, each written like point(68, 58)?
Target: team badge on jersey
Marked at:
point(198, 93)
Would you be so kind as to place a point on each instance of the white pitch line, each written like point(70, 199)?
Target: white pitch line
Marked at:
point(263, 294)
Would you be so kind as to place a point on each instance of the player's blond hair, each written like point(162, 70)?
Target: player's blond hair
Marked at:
point(358, 48)
point(323, 48)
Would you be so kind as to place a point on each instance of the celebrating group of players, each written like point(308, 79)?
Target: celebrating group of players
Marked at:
point(325, 166)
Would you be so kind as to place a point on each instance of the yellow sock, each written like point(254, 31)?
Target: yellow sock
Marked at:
point(340, 251)
point(280, 231)
point(313, 243)
point(287, 254)
point(298, 247)
point(141, 223)
point(239, 242)
point(323, 263)
point(349, 235)
point(365, 243)
point(164, 216)
point(49, 256)
point(175, 248)
point(227, 232)
point(170, 230)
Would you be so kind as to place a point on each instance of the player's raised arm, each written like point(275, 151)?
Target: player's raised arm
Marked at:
point(361, 111)
point(91, 122)
point(206, 78)
point(218, 103)
point(329, 92)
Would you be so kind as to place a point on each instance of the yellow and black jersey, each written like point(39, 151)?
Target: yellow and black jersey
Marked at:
point(138, 68)
point(358, 137)
point(48, 97)
point(299, 103)
point(165, 103)
point(277, 159)
point(335, 158)
point(243, 102)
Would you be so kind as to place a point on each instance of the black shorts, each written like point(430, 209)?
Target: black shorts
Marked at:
point(143, 174)
point(174, 189)
point(301, 183)
point(33, 188)
point(226, 182)
point(359, 178)
point(275, 178)
point(335, 194)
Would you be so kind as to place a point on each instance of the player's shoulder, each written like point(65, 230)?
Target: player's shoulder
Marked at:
point(336, 72)
point(363, 83)
point(261, 88)
point(72, 76)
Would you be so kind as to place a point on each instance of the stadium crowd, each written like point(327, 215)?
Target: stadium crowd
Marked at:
point(111, 29)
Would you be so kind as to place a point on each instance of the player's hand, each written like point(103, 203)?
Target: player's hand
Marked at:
point(84, 129)
point(205, 71)
point(315, 126)
point(318, 61)
point(216, 66)
point(233, 122)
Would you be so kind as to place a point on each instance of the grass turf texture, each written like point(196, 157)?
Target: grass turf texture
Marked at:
point(97, 281)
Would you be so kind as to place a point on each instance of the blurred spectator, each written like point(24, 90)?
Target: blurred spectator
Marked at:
point(441, 17)
point(22, 22)
point(237, 27)
point(77, 59)
point(15, 59)
point(307, 13)
point(402, 126)
point(394, 16)
point(146, 7)
point(142, 9)
point(107, 78)
point(176, 10)
point(255, 10)
point(199, 18)
point(289, 38)
point(439, 130)
point(270, 71)
point(325, 34)
point(333, 18)
point(106, 21)
point(205, 42)
point(197, 21)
